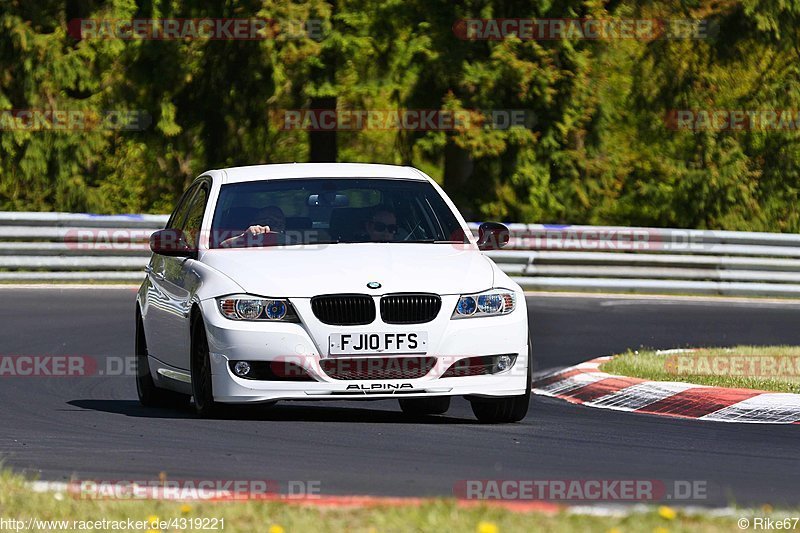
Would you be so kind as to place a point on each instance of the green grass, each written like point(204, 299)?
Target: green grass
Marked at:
point(18, 501)
point(769, 368)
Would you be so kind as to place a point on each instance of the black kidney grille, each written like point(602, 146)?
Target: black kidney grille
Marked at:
point(344, 309)
point(410, 308)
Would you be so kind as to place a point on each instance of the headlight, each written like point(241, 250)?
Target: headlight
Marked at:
point(490, 303)
point(247, 307)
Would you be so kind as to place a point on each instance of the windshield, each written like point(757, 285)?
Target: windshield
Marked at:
point(323, 211)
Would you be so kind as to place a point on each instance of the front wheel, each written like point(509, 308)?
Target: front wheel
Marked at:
point(437, 405)
point(202, 389)
point(508, 409)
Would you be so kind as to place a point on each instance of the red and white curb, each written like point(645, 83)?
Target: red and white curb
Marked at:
point(585, 384)
point(62, 490)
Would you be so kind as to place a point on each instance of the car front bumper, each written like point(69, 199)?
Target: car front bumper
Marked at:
point(306, 344)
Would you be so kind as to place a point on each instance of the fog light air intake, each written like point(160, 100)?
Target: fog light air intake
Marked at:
point(269, 371)
point(482, 365)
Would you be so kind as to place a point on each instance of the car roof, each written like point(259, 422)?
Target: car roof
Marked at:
point(316, 170)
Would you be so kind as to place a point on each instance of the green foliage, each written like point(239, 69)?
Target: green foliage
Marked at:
point(599, 151)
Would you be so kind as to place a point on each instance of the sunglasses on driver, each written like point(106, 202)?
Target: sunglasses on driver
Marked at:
point(381, 227)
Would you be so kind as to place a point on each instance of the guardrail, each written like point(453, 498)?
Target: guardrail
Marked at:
point(40, 247)
point(654, 260)
point(37, 247)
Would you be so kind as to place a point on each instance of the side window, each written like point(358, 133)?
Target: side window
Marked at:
point(179, 215)
point(194, 217)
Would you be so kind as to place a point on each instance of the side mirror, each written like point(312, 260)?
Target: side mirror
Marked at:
point(171, 242)
point(492, 236)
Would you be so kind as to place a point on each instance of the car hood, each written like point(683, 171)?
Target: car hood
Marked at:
point(303, 272)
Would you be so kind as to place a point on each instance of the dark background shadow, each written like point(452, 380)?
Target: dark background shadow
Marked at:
point(279, 412)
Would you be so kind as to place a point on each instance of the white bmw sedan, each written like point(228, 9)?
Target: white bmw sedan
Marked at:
point(329, 282)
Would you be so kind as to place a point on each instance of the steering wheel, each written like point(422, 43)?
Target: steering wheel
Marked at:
point(418, 226)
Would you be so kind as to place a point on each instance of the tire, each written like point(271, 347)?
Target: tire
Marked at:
point(508, 409)
point(149, 394)
point(425, 406)
point(202, 387)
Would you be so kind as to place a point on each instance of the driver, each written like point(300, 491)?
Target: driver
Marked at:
point(382, 225)
point(269, 219)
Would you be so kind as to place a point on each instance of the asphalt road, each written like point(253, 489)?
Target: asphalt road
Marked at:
point(93, 427)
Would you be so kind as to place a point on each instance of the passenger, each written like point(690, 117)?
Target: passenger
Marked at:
point(266, 220)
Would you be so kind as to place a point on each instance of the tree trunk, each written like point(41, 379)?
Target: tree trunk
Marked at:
point(458, 170)
point(322, 144)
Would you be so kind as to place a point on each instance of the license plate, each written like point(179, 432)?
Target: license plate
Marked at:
point(365, 343)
